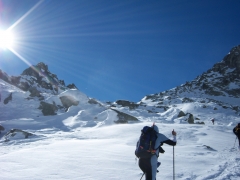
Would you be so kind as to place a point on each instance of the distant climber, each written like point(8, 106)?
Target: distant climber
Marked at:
point(236, 131)
point(213, 121)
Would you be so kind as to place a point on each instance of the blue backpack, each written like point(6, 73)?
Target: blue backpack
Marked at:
point(146, 143)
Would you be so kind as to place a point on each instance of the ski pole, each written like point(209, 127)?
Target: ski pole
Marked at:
point(235, 142)
point(173, 165)
point(142, 175)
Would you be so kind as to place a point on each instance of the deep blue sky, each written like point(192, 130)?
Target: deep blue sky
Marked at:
point(126, 49)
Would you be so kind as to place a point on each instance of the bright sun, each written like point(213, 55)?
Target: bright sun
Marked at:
point(6, 39)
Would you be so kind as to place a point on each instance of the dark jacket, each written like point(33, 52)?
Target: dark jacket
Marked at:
point(236, 130)
point(149, 166)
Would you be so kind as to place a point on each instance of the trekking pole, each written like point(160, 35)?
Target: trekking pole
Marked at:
point(173, 165)
point(142, 175)
point(235, 142)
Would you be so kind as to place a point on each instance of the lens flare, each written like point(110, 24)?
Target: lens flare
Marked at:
point(6, 39)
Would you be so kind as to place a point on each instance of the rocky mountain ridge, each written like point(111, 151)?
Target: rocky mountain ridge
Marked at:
point(217, 88)
point(38, 84)
point(223, 79)
point(37, 79)
point(219, 85)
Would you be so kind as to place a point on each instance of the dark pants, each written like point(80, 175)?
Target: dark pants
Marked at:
point(145, 166)
point(237, 133)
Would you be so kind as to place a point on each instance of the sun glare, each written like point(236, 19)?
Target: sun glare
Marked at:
point(6, 39)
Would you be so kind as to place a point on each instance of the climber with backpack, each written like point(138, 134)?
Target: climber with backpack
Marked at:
point(148, 149)
point(236, 131)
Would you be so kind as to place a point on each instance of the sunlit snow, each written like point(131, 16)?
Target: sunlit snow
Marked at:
point(84, 143)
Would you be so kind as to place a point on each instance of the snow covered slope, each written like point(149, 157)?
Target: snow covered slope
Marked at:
point(202, 153)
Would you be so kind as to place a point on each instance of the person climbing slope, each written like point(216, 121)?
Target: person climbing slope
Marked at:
point(150, 164)
point(236, 131)
point(213, 120)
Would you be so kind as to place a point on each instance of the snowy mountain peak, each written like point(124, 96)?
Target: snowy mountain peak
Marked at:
point(221, 82)
point(232, 60)
point(40, 78)
point(38, 93)
point(217, 89)
point(36, 79)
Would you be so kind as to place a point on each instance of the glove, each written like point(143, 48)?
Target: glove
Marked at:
point(161, 150)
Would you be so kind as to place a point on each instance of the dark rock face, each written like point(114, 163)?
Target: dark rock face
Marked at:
point(190, 119)
point(9, 98)
point(94, 101)
point(125, 103)
point(48, 109)
point(72, 86)
point(123, 117)
point(34, 92)
point(232, 60)
point(68, 101)
point(185, 99)
point(14, 132)
point(181, 113)
point(24, 86)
